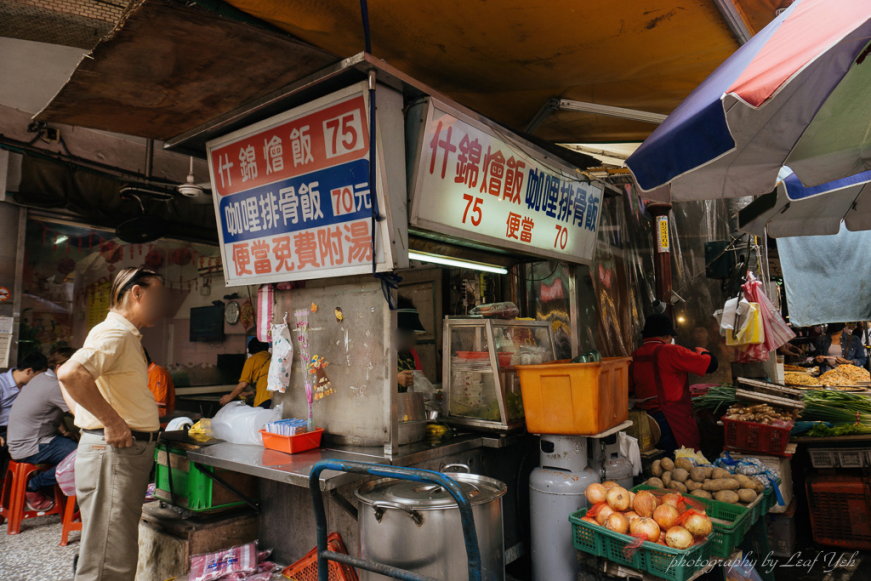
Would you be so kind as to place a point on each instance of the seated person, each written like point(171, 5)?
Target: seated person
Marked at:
point(254, 376)
point(34, 423)
point(11, 383)
point(161, 385)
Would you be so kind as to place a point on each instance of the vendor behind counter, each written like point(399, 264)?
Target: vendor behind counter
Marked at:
point(254, 377)
point(839, 347)
point(660, 370)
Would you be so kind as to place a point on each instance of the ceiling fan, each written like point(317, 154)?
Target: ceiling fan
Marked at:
point(199, 193)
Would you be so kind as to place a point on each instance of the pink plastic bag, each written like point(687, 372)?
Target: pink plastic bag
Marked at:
point(66, 474)
point(777, 332)
point(211, 566)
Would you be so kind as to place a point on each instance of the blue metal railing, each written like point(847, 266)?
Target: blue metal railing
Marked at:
point(470, 535)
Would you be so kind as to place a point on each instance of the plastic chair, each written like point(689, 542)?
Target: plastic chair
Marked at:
point(12, 502)
point(72, 520)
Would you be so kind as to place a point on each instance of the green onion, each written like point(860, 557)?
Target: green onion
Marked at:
point(837, 406)
point(716, 397)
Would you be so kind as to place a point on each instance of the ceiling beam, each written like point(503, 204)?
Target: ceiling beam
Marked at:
point(555, 104)
point(734, 19)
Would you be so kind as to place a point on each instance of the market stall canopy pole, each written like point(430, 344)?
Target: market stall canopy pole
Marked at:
point(777, 101)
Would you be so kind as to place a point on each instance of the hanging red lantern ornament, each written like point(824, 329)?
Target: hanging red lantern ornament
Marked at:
point(111, 252)
point(180, 256)
point(154, 259)
point(66, 266)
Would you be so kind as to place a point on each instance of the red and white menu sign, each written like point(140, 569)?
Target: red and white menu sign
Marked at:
point(475, 183)
point(292, 195)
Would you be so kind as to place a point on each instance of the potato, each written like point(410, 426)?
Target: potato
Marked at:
point(692, 484)
point(708, 471)
point(655, 482)
point(667, 465)
point(744, 481)
point(680, 475)
point(726, 496)
point(679, 486)
point(721, 484)
point(666, 479)
point(758, 486)
point(747, 495)
point(656, 468)
point(720, 473)
point(701, 493)
point(684, 463)
point(697, 474)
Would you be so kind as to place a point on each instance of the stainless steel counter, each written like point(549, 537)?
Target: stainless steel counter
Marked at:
point(295, 468)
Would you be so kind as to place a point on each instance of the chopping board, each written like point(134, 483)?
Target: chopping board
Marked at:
point(182, 437)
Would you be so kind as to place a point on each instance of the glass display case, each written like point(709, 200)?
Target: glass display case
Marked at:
point(481, 388)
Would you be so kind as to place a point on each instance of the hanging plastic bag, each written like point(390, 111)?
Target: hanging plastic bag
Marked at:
point(66, 474)
point(282, 359)
point(751, 331)
point(264, 312)
point(238, 423)
point(775, 329)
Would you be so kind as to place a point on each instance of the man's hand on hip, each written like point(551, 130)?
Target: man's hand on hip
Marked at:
point(118, 435)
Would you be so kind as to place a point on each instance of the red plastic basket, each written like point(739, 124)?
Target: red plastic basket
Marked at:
point(754, 437)
point(840, 512)
point(292, 444)
point(306, 569)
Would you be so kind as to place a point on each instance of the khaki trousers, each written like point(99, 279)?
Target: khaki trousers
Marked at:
point(111, 484)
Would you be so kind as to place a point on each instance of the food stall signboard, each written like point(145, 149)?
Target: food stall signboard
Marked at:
point(476, 182)
point(292, 195)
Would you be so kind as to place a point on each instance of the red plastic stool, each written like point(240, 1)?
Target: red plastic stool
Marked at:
point(12, 502)
point(72, 520)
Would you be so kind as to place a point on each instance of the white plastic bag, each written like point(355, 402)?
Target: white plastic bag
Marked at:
point(238, 423)
point(421, 383)
point(282, 359)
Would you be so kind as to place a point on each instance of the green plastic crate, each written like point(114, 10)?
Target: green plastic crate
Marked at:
point(726, 535)
point(658, 560)
point(191, 488)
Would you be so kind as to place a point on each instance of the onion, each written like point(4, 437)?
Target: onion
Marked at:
point(644, 503)
point(674, 500)
point(595, 493)
point(618, 498)
point(610, 484)
point(617, 522)
point(590, 520)
point(631, 498)
point(647, 527)
point(603, 514)
point(678, 538)
point(698, 525)
point(666, 516)
point(631, 516)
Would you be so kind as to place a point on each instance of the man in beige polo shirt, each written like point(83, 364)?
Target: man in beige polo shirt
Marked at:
point(108, 381)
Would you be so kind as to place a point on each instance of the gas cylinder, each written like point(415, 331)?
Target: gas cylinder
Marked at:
point(606, 453)
point(556, 489)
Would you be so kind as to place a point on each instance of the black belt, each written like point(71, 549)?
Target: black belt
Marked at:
point(141, 436)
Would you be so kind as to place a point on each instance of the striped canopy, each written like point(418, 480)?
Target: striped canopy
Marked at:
point(794, 95)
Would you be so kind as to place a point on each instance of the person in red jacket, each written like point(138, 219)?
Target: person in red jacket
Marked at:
point(660, 371)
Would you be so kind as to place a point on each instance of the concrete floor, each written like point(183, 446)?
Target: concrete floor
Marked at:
point(35, 554)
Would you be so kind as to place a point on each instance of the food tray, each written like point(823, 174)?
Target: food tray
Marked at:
point(658, 560)
point(755, 437)
point(731, 523)
point(292, 444)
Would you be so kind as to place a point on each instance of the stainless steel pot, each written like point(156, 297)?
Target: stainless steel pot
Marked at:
point(416, 526)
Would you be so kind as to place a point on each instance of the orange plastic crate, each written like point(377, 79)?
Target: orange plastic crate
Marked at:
point(840, 512)
point(306, 569)
point(292, 444)
point(580, 399)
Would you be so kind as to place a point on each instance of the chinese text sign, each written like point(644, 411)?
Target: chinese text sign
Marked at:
point(292, 195)
point(475, 184)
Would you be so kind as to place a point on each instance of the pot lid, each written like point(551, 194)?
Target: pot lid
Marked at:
point(422, 495)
